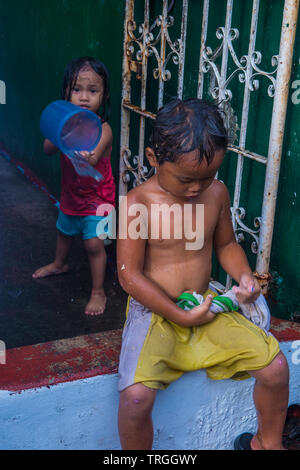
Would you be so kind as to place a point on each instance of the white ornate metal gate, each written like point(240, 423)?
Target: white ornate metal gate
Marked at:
point(153, 40)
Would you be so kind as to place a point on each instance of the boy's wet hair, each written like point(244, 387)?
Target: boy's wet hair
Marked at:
point(70, 77)
point(184, 126)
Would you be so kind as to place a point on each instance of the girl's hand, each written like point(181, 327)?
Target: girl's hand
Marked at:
point(200, 314)
point(248, 289)
point(88, 156)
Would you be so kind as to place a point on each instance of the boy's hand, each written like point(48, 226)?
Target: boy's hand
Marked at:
point(200, 314)
point(248, 289)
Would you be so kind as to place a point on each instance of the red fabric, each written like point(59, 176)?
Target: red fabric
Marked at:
point(81, 195)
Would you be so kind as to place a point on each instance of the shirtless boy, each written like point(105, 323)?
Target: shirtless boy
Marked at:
point(188, 146)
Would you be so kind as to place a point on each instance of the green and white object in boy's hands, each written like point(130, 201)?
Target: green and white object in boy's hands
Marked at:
point(257, 312)
point(224, 303)
point(187, 301)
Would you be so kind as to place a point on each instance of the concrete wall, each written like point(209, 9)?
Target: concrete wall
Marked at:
point(193, 413)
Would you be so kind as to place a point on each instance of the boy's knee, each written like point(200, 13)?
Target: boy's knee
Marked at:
point(280, 369)
point(276, 374)
point(137, 400)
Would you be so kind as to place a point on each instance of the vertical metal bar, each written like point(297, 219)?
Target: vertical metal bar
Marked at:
point(287, 39)
point(143, 87)
point(224, 63)
point(223, 73)
point(202, 47)
point(182, 48)
point(244, 119)
point(163, 27)
point(126, 95)
point(245, 111)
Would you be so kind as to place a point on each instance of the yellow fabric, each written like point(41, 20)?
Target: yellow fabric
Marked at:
point(227, 347)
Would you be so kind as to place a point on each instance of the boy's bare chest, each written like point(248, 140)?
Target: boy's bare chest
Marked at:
point(181, 224)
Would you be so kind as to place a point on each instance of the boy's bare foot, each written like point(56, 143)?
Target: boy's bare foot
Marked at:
point(50, 270)
point(97, 303)
point(256, 444)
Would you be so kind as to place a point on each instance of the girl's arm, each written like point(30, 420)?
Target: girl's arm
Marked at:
point(103, 147)
point(130, 263)
point(231, 256)
point(49, 148)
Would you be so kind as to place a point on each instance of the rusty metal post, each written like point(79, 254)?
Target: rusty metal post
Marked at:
point(289, 22)
point(126, 96)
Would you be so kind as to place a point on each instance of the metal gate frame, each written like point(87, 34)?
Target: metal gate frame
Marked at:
point(248, 70)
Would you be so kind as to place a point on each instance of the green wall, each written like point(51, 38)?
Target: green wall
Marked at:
point(39, 38)
point(285, 260)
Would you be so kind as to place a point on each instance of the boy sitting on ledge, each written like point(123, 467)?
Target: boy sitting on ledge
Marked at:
point(161, 340)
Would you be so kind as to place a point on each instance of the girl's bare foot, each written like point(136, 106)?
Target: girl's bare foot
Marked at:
point(50, 270)
point(97, 303)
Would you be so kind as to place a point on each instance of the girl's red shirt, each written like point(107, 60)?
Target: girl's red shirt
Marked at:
point(82, 195)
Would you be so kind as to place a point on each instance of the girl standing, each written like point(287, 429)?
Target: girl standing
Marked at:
point(85, 84)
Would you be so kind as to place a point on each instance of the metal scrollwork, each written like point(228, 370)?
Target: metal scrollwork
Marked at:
point(139, 172)
point(147, 42)
point(247, 67)
point(237, 216)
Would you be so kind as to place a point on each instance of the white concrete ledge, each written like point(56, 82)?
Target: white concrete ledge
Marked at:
point(193, 413)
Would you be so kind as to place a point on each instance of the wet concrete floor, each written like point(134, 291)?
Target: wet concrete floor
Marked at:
point(36, 311)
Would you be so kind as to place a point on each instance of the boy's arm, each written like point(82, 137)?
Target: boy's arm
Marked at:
point(103, 147)
point(231, 256)
point(130, 263)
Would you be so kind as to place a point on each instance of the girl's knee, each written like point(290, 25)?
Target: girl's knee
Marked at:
point(94, 246)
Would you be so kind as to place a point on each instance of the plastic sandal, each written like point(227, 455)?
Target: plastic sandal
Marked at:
point(242, 442)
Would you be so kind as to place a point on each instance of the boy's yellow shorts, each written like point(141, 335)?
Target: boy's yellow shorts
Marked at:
point(156, 351)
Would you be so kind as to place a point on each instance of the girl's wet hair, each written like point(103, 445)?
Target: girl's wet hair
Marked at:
point(185, 126)
point(70, 77)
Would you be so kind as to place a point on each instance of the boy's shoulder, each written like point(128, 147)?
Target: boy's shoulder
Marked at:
point(217, 192)
point(142, 192)
point(219, 196)
point(219, 188)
